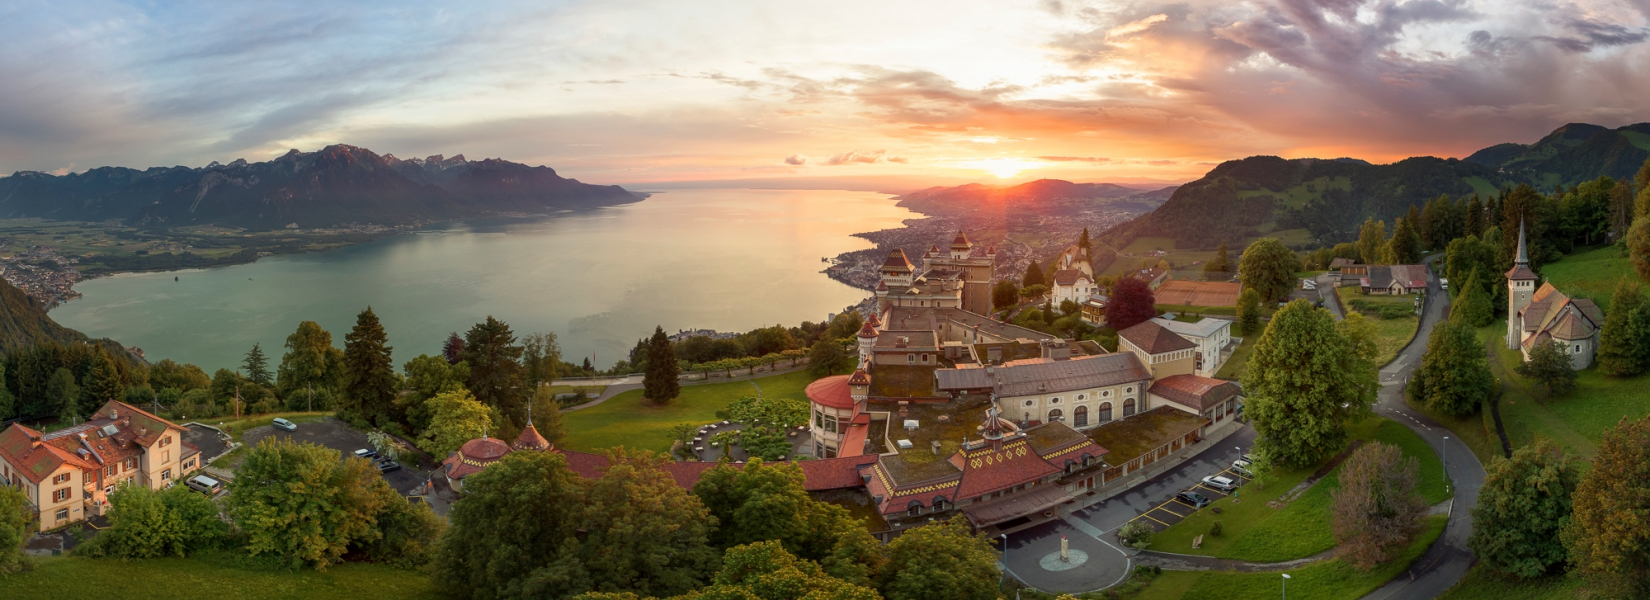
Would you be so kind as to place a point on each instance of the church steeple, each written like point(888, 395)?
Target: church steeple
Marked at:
point(1521, 264)
point(1523, 257)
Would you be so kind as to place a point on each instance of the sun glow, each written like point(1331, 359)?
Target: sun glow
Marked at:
point(1001, 167)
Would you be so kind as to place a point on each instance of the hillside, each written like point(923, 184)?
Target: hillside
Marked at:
point(24, 323)
point(1044, 197)
point(337, 185)
point(1327, 199)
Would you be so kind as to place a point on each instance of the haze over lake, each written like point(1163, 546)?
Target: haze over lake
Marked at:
point(726, 259)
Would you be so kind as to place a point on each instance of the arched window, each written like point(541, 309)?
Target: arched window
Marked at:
point(916, 508)
point(1128, 407)
point(939, 503)
point(1080, 417)
point(1105, 412)
point(1055, 415)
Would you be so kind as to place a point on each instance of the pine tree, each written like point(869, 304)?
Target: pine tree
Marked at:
point(453, 349)
point(1454, 376)
point(369, 375)
point(1406, 245)
point(1083, 240)
point(1474, 221)
point(1618, 348)
point(101, 384)
point(1609, 532)
point(1472, 307)
point(1033, 276)
point(1549, 365)
point(1219, 267)
point(61, 395)
point(495, 370)
point(8, 402)
point(1621, 209)
point(661, 384)
point(257, 367)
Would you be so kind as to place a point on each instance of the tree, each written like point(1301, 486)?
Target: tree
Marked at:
point(1454, 376)
point(515, 532)
point(1405, 245)
point(1268, 268)
point(16, 516)
point(310, 362)
point(1004, 294)
point(426, 377)
point(101, 384)
point(942, 561)
point(1248, 312)
point(62, 395)
point(1619, 343)
point(369, 377)
point(1376, 509)
point(1083, 240)
point(147, 523)
point(540, 358)
point(1638, 246)
point(546, 415)
point(1131, 303)
point(453, 348)
point(1371, 237)
point(1523, 510)
point(300, 503)
point(495, 371)
point(8, 402)
point(1033, 276)
point(182, 377)
point(1472, 307)
point(768, 502)
point(847, 325)
point(257, 367)
point(455, 417)
point(1609, 531)
point(827, 357)
point(662, 382)
point(653, 535)
point(1621, 209)
point(1304, 380)
point(765, 570)
point(1220, 267)
point(1549, 365)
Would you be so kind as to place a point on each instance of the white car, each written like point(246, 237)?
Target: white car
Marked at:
point(1224, 484)
point(1443, 283)
point(1241, 467)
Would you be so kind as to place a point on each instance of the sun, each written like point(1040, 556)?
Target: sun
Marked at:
point(1002, 167)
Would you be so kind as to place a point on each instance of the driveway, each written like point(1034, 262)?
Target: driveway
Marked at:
point(336, 435)
point(211, 441)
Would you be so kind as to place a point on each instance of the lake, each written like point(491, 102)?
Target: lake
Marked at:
point(724, 259)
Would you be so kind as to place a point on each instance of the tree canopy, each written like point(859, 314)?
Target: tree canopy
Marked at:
point(1304, 380)
point(1131, 303)
point(1623, 347)
point(1371, 237)
point(1376, 509)
point(495, 370)
point(1609, 532)
point(661, 383)
point(369, 377)
point(1549, 365)
point(1248, 312)
point(1472, 306)
point(766, 502)
point(1454, 376)
point(1523, 510)
point(455, 417)
point(942, 561)
point(310, 362)
point(1269, 268)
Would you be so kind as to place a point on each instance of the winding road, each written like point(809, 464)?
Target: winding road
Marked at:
point(1088, 530)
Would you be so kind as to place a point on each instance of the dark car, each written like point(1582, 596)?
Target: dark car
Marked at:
point(1192, 498)
point(386, 465)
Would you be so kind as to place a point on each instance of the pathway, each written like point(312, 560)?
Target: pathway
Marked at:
point(620, 388)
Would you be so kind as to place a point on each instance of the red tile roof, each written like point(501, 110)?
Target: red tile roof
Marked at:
point(897, 260)
point(33, 458)
point(961, 243)
point(831, 391)
point(1194, 392)
point(474, 456)
point(835, 473)
point(1068, 276)
point(996, 467)
point(530, 440)
point(1155, 339)
point(867, 331)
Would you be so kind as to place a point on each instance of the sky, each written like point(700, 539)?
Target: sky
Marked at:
point(638, 92)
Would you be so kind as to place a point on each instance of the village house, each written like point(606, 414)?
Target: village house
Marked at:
point(1393, 280)
point(1537, 316)
point(68, 474)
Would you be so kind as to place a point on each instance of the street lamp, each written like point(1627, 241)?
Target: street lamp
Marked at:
point(1446, 464)
point(1285, 586)
point(1240, 483)
point(1004, 578)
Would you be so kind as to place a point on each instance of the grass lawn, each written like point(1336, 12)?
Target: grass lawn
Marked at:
point(1391, 335)
point(1256, 532)
point(1326, 580)
point(73, 577)
point(1590, 274)
point(631, 421)
point(1233, 369)
point(1482, 583)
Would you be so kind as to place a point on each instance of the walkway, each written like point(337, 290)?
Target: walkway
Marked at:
point(625, 385)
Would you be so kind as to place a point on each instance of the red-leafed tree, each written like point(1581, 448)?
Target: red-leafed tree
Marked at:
point(1131, 303)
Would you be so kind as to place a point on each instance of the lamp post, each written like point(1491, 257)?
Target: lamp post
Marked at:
point(1240, 483)
point(1446, 464)
point(1285, 586)
point(1004, 578)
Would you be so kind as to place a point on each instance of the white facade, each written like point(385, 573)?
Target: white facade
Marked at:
point(1210, 335)
point(1079, 409)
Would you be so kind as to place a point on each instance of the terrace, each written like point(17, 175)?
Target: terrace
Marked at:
point(1127, 439)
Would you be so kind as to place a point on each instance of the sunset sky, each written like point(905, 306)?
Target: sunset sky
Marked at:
point(637, 92)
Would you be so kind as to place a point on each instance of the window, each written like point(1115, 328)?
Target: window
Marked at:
point(830, 424)
point(1081, 397)
point(62, 514)
point(1129, 391)
point(60, 495)
point(1199, 361)
point(1128, 407)
point(166, 474)
point(61, 478)
point(1231, 405)
point(165, 441)
point(87, 476)
point(1055, 415)
point(1080, 417)
point(925, 358)
point(916, 509)
point(129, 464)
point(1105, 393)
point(1054, 401)
point(910, 359)
point(819, 419)
point(1031, 403)
point(189, 465)
point(113, 470)
point(1105, 412)
point(939, 504)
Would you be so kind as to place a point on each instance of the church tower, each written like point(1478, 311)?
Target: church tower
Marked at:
point(1520, 286)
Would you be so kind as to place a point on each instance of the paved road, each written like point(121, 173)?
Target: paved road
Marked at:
point(1090, 529)
point(1447, 561)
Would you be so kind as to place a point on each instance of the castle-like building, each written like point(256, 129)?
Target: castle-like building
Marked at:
point(1540, 315)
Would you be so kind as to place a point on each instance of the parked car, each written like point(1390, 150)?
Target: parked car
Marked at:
point(285, 424)
point(386, 465)
point(1195, 499)
point(367, 454)
point(1224, 484)
point(1443, 283)
point(205, 485)
point(1241, 467)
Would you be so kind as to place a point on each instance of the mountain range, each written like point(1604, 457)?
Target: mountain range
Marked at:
point(336, 185)
point(1048, 197)
point(1328, 198)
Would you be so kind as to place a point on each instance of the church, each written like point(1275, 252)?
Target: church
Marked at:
point(1540, 315)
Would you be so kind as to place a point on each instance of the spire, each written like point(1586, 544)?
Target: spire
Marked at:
point(993, 424)
point(1523, 257)
point(1521, 265)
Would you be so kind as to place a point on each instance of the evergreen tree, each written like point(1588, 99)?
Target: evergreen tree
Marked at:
point(101, 384)
point(1304, 381)
point(8, 402)
point(661, 384)
point(62, 395)
point(1269, 268)
point(1523, 510)
point(1033, 276)
point(1621, 209)
point(369, 374)
point(453, 349)
point(1083, 240)
point(1549, 365)
point(1618, 346)
point(1371, 237)
point(1472, 307)
point(257, 367)
point(1248, 312)
point(1454, 376)
point(546, 415)
point(541, 357)
point(1405, 244)
point(1218, 268)
point(495, 372)
point(1638, 246)
point(1609, 532)
point(1474, 221)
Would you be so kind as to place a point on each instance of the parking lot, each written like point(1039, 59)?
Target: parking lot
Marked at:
point(334, 434)
point(1173, 510)
point(210, 441)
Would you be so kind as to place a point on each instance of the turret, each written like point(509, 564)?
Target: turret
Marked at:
point(896, 271)
point(961, 247)
point(867, 338)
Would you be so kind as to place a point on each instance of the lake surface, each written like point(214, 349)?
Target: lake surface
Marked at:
point(725, 259)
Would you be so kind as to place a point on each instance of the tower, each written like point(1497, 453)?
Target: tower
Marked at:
point(1520, 287)
point(867, 338)
point(961, 247)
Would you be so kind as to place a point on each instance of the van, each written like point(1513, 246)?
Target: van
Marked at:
point(285, 424)
point(205, 485)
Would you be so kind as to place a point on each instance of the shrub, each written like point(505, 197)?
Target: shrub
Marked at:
point(1135, 534)
point(1214, 530)
point(151, 524)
